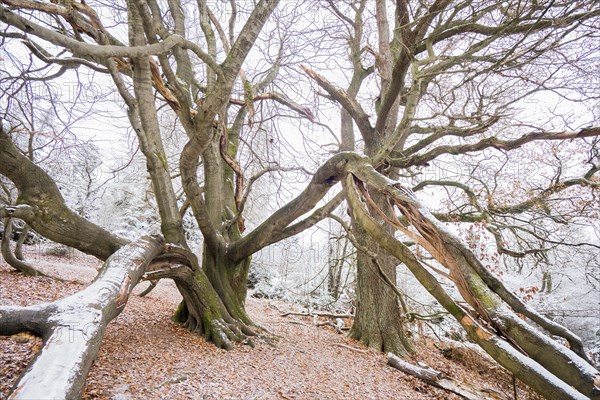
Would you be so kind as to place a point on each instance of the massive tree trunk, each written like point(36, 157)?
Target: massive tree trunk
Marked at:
point(379, 321)
point(72, 328)
point(230, 281)
point(214, 298)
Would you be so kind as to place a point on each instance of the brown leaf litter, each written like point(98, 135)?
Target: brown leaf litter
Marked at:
point(145, 355)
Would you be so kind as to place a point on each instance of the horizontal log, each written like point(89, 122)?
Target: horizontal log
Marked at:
point(318, 314)
point(443, 381)
point(73, 327)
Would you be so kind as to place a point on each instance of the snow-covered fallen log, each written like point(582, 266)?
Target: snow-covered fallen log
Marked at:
point(443, 381)
point(73, 327)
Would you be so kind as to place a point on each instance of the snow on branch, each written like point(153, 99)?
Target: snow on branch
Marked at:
point(72, 328)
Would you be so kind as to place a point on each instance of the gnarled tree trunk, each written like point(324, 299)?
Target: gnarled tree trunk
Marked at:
point(72, 328)
point(212, 305)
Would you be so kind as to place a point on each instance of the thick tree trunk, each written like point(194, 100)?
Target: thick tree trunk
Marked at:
point(552, 370)
point(72, 327)
point(203, 310)
point(230, 281)
point(218, 315)
point(378, 323)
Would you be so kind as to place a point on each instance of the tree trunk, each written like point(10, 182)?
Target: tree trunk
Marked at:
point(72, 327)
point(379, 321)
point(213, 298)
point(230, 282)
point(206, 312)
point(223, 318)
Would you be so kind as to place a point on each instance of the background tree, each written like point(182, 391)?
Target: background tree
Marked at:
point(463, 80)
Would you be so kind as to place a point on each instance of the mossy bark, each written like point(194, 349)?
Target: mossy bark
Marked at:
point(379, 321)
point(212, 306)
point(229, 280)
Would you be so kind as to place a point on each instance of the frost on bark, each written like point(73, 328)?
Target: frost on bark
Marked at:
point(72, 328)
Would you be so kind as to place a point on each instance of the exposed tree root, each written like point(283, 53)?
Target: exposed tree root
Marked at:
point(202, 310)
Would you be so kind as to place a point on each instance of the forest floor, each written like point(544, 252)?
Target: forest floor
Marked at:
point(145, 355)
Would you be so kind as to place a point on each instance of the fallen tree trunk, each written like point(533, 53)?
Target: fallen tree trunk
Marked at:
point(443, 381)
point(72, 328)
point(512, 358)
point(318, 314)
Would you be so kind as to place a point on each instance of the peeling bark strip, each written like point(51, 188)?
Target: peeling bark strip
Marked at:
point(73, 327)
point(442, 381)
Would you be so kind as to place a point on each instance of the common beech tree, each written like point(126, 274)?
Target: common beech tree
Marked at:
point(426, 81)
point(441, 70)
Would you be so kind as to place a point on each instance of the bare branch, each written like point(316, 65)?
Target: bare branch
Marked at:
point(85, 49)
point(491, 142)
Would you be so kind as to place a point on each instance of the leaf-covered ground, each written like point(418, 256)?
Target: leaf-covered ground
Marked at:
point(145, 355)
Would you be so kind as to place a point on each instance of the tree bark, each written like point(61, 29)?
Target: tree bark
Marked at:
point(550, 369)
point(72, 327)
point(203, 310)
point(379, 321)
point(442, 381)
